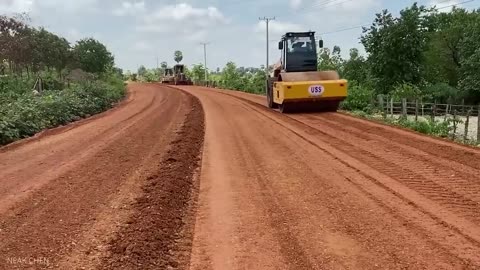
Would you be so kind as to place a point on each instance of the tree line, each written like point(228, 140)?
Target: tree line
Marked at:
point(25, 49)
point(71, 81)
point(421, 54)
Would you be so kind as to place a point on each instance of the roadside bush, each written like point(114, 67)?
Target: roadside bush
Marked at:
point(26, 114)
point(359, 98)
point(406, 90)
point(430, 127)
point(442, 93)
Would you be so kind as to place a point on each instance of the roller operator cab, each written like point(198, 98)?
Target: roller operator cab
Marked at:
point(296, 85)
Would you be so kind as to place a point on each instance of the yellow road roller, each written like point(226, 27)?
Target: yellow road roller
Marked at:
point(296, 85)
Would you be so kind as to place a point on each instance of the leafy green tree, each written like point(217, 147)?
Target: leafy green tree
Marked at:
point(198, 73)
point(355, 68)
point(142, 71)
point(231, 77)
point(256, 82)
point(396, 46)
point(178, 56)
point(330, 60)
point(469, 79)
point(163, 65)
point(92, 56)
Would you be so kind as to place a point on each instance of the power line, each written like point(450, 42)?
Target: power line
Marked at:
point(267, 21)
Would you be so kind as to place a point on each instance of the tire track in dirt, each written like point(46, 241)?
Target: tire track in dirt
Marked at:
point(279, 196)
point(433, 181)
point(437, 147)
point(433, 219)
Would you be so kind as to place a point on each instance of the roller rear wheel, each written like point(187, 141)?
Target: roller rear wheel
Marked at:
point(285, 108)
point(270, 102)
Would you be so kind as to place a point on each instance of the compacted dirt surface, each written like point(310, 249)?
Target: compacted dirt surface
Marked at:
point(196, 178)
point(328, 191)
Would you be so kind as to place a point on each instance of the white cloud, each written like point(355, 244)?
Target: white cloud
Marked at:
point(16, 6)
point(182, 20)
point(352, 7)
point(142, 46)
point(130, 8)
point(295, 4)
point(70, 6)
point(185, 12)
point(37, 6)
point(278, 27)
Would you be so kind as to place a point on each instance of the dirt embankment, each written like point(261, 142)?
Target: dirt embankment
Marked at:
point(157, 235)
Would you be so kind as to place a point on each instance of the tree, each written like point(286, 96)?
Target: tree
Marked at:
point(16, 42)
point(142, 71)
point(231, 77)
point(198, 73)
point(178, 56)
point(396, 46)
point(330, 60)
point(355, 68)
point(443, 58)
point(163, 65)
point(469, 81)
point(256, 81)
point(92, 56)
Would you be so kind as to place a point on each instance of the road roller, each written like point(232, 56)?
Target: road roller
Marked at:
point(180, 78)
point(295, 85)
point(168, 76)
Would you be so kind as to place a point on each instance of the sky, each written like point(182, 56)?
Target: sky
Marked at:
point(138, 32)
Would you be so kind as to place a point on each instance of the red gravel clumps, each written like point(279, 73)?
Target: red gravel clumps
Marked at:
point(152, 236)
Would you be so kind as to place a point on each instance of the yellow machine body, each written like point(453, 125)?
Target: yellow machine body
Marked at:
point(311, 91)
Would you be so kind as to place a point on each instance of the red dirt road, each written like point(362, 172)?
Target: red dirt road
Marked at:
point(70, 198)
point(210, 179)
point(328, 191)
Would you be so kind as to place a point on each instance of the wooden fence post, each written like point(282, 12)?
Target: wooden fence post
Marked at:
point(446, 112)
point(454, 124)
point(382, 105)
point(391, 107)
point(467, 122)
point(404, 108)
point(416, 110)
point(434, 111)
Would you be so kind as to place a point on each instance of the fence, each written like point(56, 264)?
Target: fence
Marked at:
point(463, 120)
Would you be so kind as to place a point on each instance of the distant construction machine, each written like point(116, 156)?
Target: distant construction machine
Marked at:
point(180, 78)
point(296, 85)
point(168, 77)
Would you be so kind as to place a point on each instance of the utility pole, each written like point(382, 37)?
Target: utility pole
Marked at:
point(205, 58)
point(267, 21)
